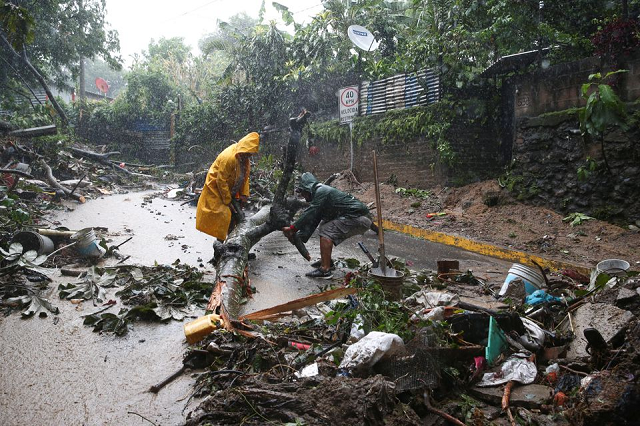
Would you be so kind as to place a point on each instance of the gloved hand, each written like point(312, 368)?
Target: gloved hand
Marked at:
point(289, 232)
point(236, 211)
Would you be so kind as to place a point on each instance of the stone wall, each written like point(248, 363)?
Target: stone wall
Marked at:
point(548, 150)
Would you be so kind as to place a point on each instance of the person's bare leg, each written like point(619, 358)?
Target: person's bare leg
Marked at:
point(326, 247)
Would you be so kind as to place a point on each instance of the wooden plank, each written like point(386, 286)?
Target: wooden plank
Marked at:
point(314, 299)
point(35, 131)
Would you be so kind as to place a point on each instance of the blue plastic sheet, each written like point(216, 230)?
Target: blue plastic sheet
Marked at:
point(540, 296)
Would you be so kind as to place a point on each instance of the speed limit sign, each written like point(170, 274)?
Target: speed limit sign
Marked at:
point(349, 99)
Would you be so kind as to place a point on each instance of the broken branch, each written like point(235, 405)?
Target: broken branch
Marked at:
point(54, 182)
point(505, 401)
point(16, 172)
point(442, 414)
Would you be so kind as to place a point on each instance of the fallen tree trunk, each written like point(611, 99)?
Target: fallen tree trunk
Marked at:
point(104, 159)
point(231, 258)
point(35, 131)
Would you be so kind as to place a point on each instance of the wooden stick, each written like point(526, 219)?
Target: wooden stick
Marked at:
point(55, 233)
point(300, 303)
point(580, 373)
point(505, 401)
point(122, 243)
point(35, 131)
point(573, 330)
point(442, 414)
point(104, 159)
point(71, 272)
point(383, 261)
point(142, 417)
point(78, 184)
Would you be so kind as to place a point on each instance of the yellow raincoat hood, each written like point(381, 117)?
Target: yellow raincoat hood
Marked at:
point(248, 145)
point(213, 215)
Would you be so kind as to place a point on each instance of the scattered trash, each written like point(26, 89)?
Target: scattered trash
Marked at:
point(308, 371)
point(540, 296)
point(299, 346)
point(446, 266)
point(31, 240)
point(431, 299)
point(517, 368)
point(496, 342)
point(357, 329)
point(198, 329)
point(390, 280)
point(533, 280)
point(432, 215)
point(87, 244)
point(613, 267)
point(534, 336)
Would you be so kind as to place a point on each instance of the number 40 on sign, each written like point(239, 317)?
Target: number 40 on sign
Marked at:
point(348, 103)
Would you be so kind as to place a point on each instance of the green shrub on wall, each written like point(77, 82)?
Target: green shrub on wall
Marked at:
point(429, 123)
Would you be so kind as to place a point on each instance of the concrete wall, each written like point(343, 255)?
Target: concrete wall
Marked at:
point(413, 163)
point(558, 87)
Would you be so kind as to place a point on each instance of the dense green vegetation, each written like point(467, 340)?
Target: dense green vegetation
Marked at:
point(253, 73)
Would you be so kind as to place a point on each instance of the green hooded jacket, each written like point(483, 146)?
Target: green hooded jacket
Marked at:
point(327, 203)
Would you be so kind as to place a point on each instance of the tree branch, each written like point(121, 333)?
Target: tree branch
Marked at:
point(23, 58)
point(53, 182)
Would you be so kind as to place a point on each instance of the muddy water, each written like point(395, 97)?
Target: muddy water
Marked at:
point(56, 371)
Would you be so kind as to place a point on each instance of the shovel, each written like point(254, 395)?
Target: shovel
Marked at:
point(374, 263)
point(383, 259)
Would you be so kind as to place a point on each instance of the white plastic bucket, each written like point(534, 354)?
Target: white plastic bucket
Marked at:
point(87, 244)
point(533, 280)
point(613, 267)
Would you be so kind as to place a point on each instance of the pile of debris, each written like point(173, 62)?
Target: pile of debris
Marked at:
point(36, 175)
point(544, 348)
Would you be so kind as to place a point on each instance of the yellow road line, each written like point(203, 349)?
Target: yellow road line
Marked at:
point(483, 248)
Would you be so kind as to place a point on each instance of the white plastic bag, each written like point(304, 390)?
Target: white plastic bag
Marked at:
point(534, 336)
point(370, 349)
point(517, 368)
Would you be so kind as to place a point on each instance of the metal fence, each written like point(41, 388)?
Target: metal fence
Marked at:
point(154, 143)
point(399, 91)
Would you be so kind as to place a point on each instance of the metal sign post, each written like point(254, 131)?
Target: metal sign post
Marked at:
point(348, 105)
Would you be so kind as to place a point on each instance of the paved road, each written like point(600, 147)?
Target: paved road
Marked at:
point(278, 272)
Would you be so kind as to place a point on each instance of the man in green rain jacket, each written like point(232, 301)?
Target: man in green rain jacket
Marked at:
point(341, 214)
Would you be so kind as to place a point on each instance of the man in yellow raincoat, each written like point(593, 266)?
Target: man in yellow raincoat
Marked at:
point(228, 178)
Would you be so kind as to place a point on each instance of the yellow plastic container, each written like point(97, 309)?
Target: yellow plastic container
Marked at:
point(198, 329)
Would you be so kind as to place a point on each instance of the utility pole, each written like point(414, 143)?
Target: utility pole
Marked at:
point(81, 93)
